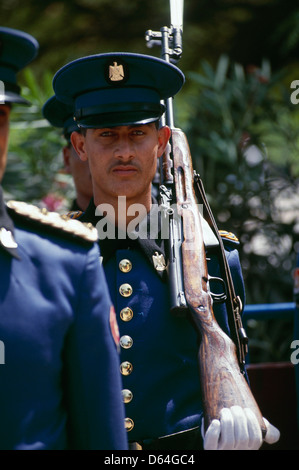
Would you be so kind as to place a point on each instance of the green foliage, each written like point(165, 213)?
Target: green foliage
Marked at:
point(243, 135)
point(34, 168)
point(244, 138)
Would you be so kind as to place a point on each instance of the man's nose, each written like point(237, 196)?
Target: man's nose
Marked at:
point(124, 149)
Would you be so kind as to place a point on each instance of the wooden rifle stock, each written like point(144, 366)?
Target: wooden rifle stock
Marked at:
point(223, 384)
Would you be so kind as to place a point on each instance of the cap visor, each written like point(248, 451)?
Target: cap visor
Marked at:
point(10, 97)
point(117, 119)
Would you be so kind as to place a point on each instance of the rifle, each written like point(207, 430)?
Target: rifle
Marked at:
point(221, 365)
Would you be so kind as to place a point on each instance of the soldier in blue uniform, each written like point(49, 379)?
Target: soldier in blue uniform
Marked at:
point(12, 60)
point(60, 385)
point(117, 106)
point(61, 115)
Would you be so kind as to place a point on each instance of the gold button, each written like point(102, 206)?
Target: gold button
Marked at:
point(129, 424)
point(125, 265)
point(126, 342)
point(126, 368)
point(125, 290)
point(126, 314)
point(127, 395)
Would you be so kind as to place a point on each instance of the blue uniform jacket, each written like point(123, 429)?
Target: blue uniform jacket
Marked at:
point(60, 385)
point(161, 386)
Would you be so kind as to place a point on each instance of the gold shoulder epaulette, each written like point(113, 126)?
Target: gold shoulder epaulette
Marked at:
point(74, 214)
point(52, 220)
point(228, 236)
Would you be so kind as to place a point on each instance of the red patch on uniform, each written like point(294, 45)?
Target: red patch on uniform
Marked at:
point(114, 326)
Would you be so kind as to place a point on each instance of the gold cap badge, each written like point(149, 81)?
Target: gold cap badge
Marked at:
point(116, 72)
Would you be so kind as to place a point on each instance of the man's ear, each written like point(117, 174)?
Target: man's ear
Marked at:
point(164, 134)
point(78, 142)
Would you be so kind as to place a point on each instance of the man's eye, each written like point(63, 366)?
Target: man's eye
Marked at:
point(138, 132)
point(106, 134)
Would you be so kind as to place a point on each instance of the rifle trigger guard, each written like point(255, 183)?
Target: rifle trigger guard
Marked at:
point(221, 297)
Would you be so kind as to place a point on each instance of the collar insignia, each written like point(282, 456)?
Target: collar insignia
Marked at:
point(159, 262)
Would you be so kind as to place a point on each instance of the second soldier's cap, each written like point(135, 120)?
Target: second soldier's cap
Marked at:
point(117, 89)
point(17, 49)
point(60, 115)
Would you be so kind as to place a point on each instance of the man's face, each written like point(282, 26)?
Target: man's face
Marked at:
point(122, 160)
point(4, 135)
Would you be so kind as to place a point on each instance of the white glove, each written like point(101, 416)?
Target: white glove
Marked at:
point(237, 429)
point(272, 434)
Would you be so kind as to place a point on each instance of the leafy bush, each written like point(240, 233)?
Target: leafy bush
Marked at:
point(34, 169)
point(244, 137)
